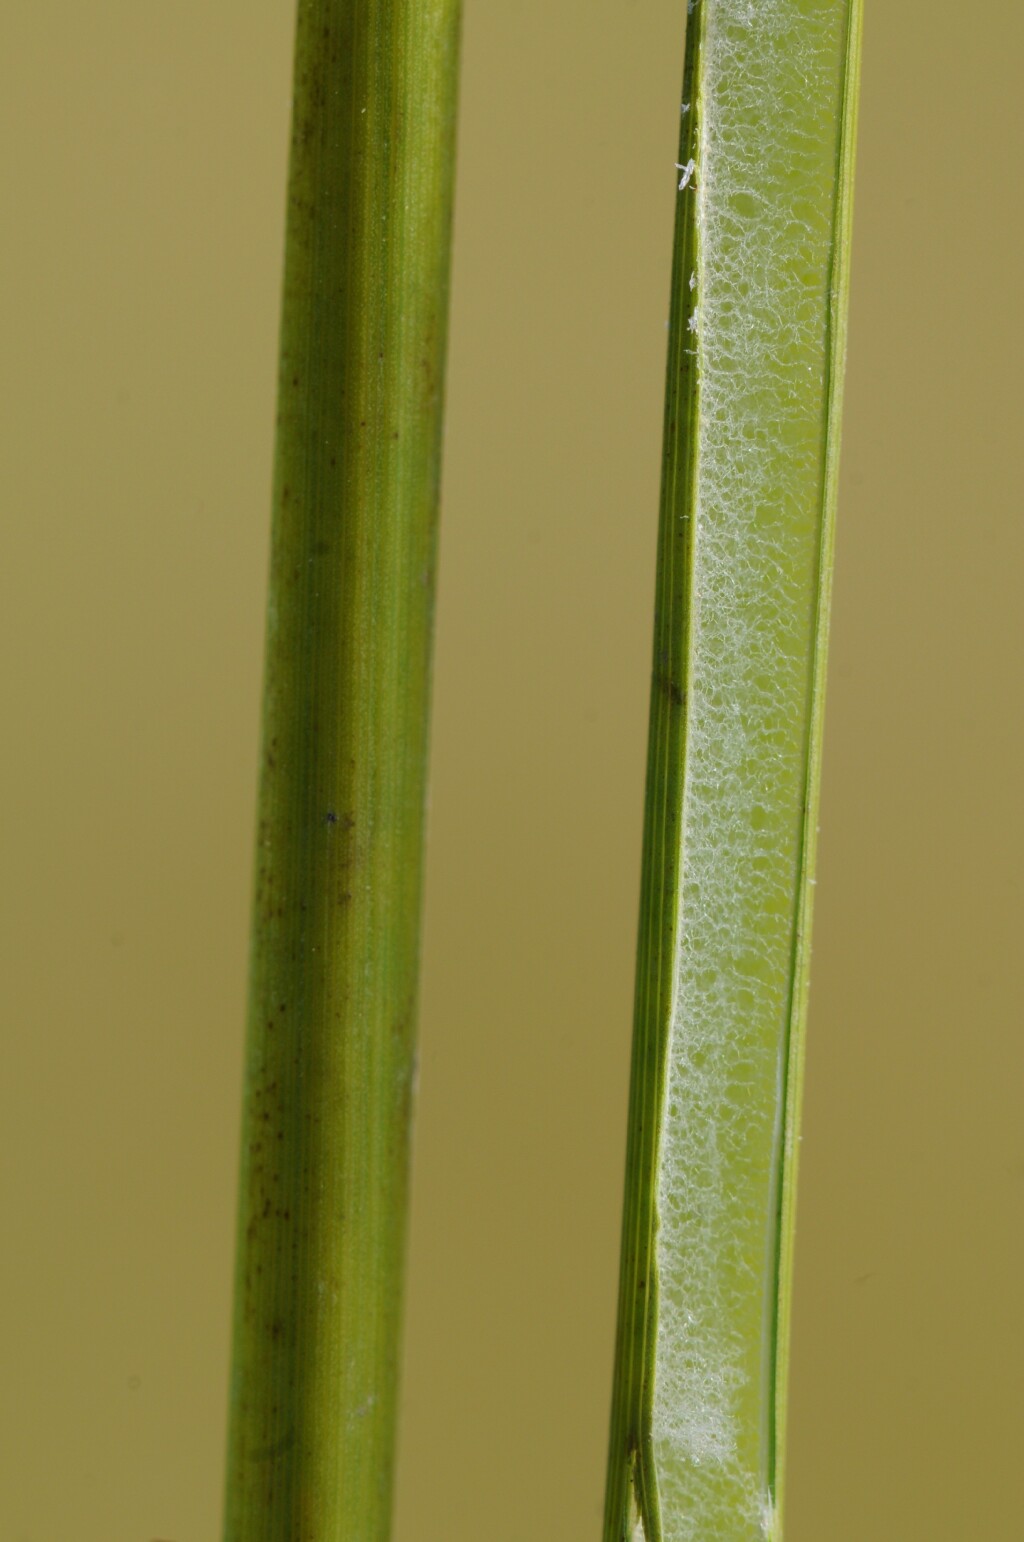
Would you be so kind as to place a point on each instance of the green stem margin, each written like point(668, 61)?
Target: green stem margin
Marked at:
point(631, 1487)
point(797, 1044)
point(330, 1060)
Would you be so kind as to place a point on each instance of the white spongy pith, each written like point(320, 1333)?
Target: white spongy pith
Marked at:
point(765, 201)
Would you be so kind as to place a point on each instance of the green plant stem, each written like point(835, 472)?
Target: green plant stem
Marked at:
point(756, 348)
point(330, 1050)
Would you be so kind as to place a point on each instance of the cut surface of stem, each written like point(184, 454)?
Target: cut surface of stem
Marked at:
point(330, 1047)
point(756, 351)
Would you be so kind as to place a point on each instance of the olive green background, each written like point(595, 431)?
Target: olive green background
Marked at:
point(142, 192)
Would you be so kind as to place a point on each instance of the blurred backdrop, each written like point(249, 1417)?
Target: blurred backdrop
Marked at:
point(143, 163)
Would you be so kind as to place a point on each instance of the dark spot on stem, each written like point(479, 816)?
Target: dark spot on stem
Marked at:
point(672, 689)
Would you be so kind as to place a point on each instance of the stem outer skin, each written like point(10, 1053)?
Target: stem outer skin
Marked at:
point(698, 1410)
point(330, 1058)
point(797, 1046)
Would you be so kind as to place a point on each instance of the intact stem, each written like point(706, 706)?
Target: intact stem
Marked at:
point(330, 1048)
point(756, 347)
